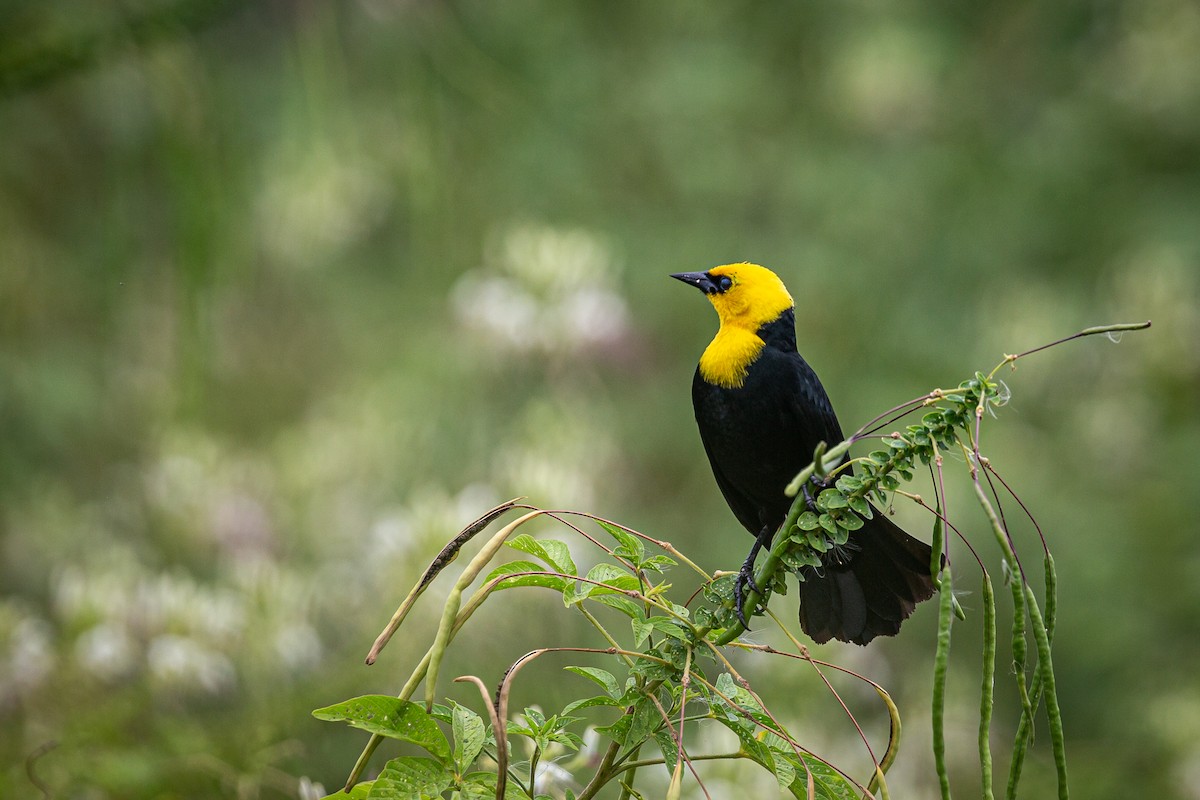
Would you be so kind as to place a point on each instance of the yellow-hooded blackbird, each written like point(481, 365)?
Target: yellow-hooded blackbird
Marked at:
point(761, 412)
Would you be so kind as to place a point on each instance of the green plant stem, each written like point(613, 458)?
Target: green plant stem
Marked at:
point(987, 686)
point(627, 784)
point(1053, 713)
point(941, 664)
point(533, 762)
point(608, 637)
point(880, 784)
point(1016, 582)
point(604, 772)
point(1115, 328)
point(1024, 736)
point(650, 762)
point(1045, 667)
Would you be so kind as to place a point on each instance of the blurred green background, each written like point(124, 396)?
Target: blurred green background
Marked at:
point(291, 291)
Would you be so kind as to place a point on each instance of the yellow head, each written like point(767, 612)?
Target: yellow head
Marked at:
point(745, 296)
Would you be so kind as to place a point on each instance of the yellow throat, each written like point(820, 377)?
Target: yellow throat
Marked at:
point(756, 297)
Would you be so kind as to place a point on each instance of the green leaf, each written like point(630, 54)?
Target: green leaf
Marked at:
point(727, 686)
point(827, 523)
point(622, 603)
point(785, 771)
point(611, 573)
point(659, 563)
point(534, 717)
point(880, 457)
point(469, 736)
point(612, 577)
point(592, 702)
point(551, 551)
point(668, 746)
point(536, 576)
point(849, 484)
point(605, 679)
point(817, 541)
point(830, 499)
point(390, 717)
point(629, 545)
point(797, 558)
point(807, 521)
point(644, 720)
point(617, 730)
point(683, 612)
point(828, 783)
point(360, 791)
point(669, 626)
point(411, 777)
point(860, 505)
point(747, 733)
point(482, 786)
point(559, 555)
point(641, 631)
point(850, 522)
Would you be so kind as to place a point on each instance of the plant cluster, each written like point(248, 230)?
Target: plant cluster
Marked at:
point(674, 671)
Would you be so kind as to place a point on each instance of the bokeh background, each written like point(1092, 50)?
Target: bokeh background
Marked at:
point(290, 291)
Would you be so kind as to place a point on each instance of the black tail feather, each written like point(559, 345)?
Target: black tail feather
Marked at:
point(872, 592)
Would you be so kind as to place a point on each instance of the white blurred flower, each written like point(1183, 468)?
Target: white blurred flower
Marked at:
point(180, 663)
point(28, 658)
point(172, 602)
point(539, 292)
point(391, 534)
point(591, 315)
point(107, 651)
point(307, 790)
point(298, 646)
point(242, 526)
point(552, 779)
point(499, 307)
point(104, 590)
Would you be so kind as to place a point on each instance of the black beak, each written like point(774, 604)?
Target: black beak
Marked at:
point(698, 279)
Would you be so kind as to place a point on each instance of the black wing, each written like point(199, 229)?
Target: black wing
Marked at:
point(759, 435)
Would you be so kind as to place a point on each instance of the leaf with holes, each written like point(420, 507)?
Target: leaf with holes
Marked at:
point(393, 718)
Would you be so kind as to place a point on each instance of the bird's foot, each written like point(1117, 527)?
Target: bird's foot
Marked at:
point(745, 580)
point(809, 499)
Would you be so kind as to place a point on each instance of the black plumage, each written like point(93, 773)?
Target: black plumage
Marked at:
point(758, 436)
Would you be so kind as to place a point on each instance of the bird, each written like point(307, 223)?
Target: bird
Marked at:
point(762, 412)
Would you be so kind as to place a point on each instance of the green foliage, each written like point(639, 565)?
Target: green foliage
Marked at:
point(663, 685)
point(285, 288)
point(664, 689)
point(393, 718)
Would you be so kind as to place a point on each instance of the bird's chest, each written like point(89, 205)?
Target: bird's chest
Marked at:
point(746, 430)
point(727, 359)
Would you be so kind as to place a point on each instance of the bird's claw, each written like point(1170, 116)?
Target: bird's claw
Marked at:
point(809, 500)
point(745, 580)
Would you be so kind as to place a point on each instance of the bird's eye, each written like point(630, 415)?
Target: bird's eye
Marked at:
point(725, 282)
